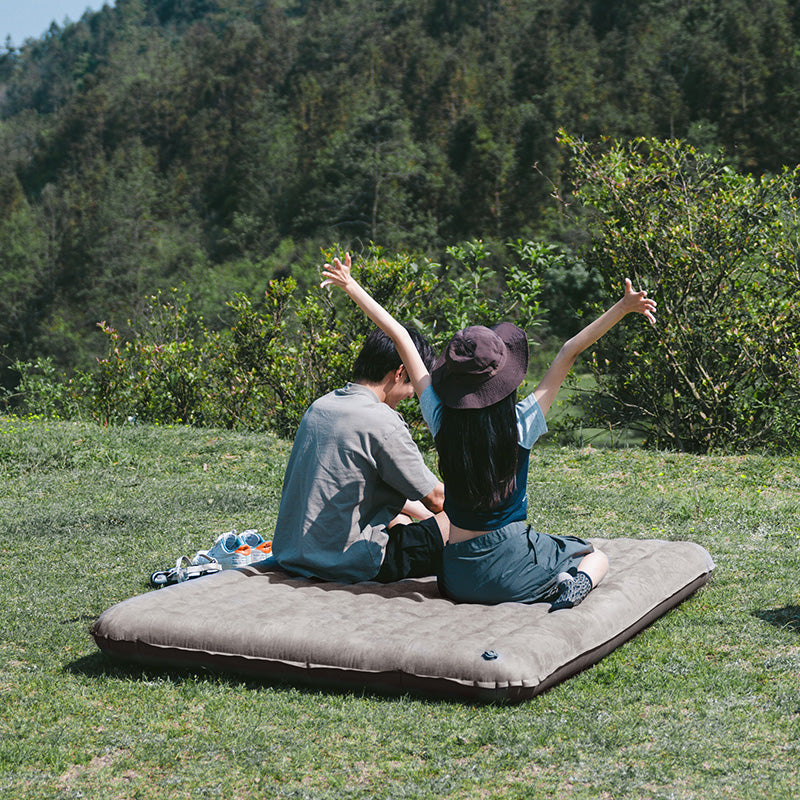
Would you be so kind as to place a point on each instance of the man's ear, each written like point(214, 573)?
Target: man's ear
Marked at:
point(400, 374)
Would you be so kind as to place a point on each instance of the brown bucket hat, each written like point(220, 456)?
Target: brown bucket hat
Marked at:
point(480, 366)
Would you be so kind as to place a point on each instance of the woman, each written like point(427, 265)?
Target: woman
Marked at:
point(483, 438)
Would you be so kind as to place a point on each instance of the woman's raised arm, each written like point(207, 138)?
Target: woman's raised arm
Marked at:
point(631, 302)
point(338, 274)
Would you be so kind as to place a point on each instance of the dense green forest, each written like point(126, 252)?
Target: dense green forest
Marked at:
point(218, 143)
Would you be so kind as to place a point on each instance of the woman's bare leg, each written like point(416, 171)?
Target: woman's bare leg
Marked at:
point(595, 565)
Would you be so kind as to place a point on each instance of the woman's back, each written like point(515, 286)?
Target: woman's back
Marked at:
point(509, 431)
point(478, 453)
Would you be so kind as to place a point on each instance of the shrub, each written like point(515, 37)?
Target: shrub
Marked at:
point(719, 252)
point(43, 390)
point(160, 374)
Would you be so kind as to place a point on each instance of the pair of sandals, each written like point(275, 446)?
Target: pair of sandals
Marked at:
point(185, 569)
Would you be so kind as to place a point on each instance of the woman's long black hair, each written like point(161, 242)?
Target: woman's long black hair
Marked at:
point(478, 453)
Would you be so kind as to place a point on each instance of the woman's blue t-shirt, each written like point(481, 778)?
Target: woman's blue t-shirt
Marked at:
point(530, 426)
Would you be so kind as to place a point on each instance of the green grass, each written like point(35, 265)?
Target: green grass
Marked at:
point(703, 704)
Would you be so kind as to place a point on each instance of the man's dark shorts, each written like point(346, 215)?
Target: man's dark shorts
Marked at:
point(414, 551)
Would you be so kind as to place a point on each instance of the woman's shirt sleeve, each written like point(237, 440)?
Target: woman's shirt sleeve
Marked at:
point(431, 407)
point(530, 421)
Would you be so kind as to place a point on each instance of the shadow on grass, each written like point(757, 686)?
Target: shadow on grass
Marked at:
point(101, 665)
point(787, 617)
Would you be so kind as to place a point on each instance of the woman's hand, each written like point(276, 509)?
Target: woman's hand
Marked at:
point(338, 273)
point(638, 302)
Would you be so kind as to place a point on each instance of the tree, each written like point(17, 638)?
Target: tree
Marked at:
point(23, 265)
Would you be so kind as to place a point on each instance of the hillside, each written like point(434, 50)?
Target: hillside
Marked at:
point(217, 142)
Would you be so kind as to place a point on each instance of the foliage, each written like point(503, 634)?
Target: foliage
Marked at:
point(159, 374)
point(279, 358)
point(154, 143)
point(719, 252)
point(278, 354)
point(473, 294)
point(569, 287)
point(43, 390)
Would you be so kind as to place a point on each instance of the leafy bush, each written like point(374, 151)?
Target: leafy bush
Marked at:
point(43, 390)
point(160, 374)
point(280, 353)
point(719, 252)
point(570, 288)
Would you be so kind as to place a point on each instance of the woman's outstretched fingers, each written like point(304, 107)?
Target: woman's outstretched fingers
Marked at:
point(640, 302)
point(337, 273)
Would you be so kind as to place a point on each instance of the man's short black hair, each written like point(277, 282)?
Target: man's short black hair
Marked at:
point(378, 356)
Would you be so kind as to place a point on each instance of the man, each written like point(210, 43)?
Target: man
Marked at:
point(358, 502)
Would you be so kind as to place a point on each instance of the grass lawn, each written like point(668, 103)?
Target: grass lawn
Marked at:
point(703, 704)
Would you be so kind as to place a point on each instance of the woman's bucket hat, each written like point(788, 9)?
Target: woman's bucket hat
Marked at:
point(480, 366)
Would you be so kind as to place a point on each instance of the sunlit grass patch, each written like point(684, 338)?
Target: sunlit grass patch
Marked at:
point(702, 704)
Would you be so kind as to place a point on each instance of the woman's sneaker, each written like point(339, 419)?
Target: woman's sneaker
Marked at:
point(572, 591)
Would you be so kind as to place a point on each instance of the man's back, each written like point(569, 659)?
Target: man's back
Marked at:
point(352, 467)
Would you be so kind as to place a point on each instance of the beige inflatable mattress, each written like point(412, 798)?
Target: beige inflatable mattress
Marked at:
point(400, 637)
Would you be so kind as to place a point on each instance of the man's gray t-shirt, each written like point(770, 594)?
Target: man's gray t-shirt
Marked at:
point(352, 467)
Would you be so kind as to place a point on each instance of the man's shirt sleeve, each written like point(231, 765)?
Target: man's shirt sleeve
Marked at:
point(400, 464)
